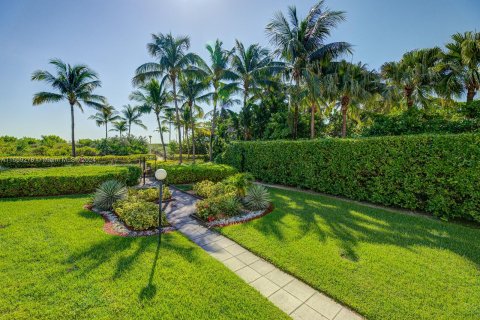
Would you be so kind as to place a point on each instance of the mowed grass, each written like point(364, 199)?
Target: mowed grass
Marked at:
point(60, 171)
point(57, 263)
point(385, 265)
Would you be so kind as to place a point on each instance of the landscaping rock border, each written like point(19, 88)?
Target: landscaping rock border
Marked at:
point(114, 226)
point(249, 216)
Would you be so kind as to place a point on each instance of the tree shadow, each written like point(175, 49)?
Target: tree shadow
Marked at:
point(150, 290)
point(350, 223)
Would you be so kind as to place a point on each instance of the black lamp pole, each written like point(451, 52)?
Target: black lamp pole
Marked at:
point(160, 200)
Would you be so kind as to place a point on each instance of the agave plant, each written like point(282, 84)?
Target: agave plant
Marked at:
point(108, 193)
point(257, 198)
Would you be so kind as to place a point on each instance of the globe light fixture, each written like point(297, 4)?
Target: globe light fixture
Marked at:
point(160, 174)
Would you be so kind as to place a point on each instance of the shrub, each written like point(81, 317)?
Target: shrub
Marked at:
point(108, 193)
point(226, 204)
point(45, 162)
point(63, 180)
point(439, 174)
point(182, 174)
point(241, 181)
point(139, 215)
point(151, 194)
point(257, 198)
point(204, 188)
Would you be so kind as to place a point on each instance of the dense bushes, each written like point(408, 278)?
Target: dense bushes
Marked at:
point(63, 180)
point(138, 214)
point(44, 162)
point(190, 173)
point(439, 174)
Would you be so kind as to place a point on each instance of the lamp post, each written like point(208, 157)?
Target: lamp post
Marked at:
point(150, 145)
point(160, 175)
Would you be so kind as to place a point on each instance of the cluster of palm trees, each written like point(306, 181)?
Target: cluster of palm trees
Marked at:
point(303, 70)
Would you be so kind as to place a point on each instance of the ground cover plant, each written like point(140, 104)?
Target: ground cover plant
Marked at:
point(58, 263)
point(438, 174)
point(386, 265)
point(62, 180)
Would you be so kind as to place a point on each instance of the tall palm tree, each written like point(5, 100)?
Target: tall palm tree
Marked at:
point(120, 126)
point(252, 66)
point(217, 73)
point(301, 42)
point(106, 115)
point(194, 91)
point(75, 84)
point(132, 115)
point(354, 83)
point(172, 61)
point(154, 97)
point(461, 65)
point(416, 74)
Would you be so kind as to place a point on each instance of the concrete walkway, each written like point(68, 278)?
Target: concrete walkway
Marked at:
point(294, 297)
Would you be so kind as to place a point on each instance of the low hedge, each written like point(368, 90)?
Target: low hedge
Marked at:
point(46, 162)
point(63, 180)
point(191, 173)
point(438, 174)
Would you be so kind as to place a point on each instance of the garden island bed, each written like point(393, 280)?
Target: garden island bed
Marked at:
point(234, 200)
point(130, 212)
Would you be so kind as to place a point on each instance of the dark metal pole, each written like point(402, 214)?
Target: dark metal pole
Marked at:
point(160, 200)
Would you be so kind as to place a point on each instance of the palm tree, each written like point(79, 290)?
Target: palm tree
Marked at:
point(132, 115)
point(172, 61)
point(416, 74)
point(461, 65)
point(72, 83)
point(216, 73)
point(154, 97)
point(193, 91)
point(354, 83)
point(120, 126)
point(106, 115)
point(252, 67)
point(301, 42)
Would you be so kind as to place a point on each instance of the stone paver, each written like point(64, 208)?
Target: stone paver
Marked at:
point(291, 295)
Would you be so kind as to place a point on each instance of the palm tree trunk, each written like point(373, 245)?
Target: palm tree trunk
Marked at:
point(312, 122)
point(408, 96)
point(345, 102)
point(214, 119)
point(193, 140)
point(74, 154)
point(161, 138)
point(470, 93)
point(295, 111)
point(185, 134)
point(129, 128)
point(106, 131)
point(177, 115)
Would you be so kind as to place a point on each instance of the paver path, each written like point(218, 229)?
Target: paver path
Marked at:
point(294, 297)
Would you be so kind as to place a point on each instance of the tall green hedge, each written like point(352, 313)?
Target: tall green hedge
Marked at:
point(439, 174)
point(46, 162)
point(64, 180)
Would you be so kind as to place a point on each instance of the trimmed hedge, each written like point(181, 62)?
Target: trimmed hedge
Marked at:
point(438, 174)
point(46, 162)
point(191, 173)
point(64, 180)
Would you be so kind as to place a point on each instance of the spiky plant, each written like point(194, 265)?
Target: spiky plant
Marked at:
point(108, 193)
point(257, 198)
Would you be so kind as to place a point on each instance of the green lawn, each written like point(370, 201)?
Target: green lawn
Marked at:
point(385, 265)
point(66, 267)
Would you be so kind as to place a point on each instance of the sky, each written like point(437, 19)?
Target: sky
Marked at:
point(110, 36)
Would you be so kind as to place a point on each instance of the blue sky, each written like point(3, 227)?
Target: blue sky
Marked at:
point(110, 36)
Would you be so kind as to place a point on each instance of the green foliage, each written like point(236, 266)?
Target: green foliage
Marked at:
point(150, 194)
point(191, 173)
point(62, 180)
point(223, 204)
point(108, 193)
point(416, 121)
point(138, 214)
point(241, 182)
point(44, 162)
point(438, 174)
point(204, 188)
point(122, 146)
point(257, 198)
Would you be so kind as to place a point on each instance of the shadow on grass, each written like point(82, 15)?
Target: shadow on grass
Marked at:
point(349, 224)
point(150, 290)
